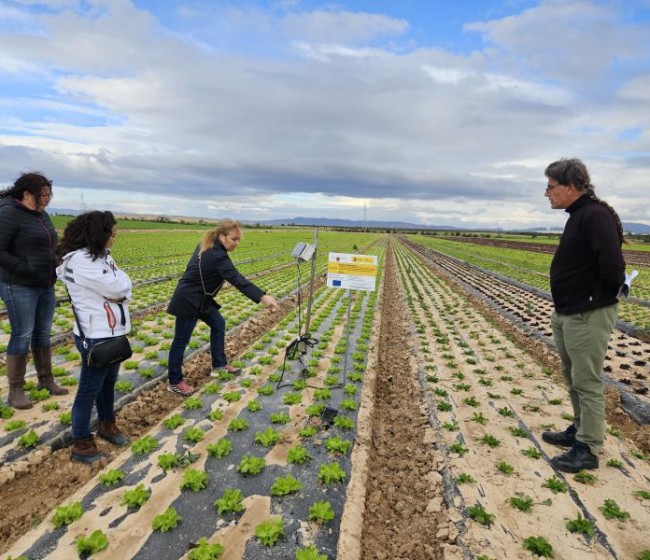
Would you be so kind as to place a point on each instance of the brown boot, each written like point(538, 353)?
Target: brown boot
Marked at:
point(16, 366)
point(43, 364)
point(85, 450)
point(109, 431)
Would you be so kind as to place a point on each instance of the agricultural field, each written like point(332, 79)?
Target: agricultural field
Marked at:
point(409, 428)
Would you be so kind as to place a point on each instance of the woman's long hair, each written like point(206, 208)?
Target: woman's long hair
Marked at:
point(91, 231)
point(33, 183)
point(574, 172)
point(210, 238)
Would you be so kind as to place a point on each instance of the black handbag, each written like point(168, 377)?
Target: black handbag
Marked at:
point(109, 351)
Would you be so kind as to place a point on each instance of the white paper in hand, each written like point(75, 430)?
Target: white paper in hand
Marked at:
point(627, 285)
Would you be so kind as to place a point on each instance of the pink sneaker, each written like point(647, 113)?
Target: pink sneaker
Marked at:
point(225, 369)
point(182, 389)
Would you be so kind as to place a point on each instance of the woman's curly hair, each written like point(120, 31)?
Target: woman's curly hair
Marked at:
point(91, 231)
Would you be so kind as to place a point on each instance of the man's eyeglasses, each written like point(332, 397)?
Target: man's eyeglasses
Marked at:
point(550, 187)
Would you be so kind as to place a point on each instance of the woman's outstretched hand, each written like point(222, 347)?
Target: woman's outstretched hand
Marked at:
point(269, 301)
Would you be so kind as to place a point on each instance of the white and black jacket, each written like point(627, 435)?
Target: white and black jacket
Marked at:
point(96, 287)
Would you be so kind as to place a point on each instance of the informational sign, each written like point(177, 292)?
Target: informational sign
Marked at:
point(352, 272)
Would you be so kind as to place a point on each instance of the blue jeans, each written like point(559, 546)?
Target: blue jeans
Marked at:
point(182, 334)
point(96, 386)
point(30, 312)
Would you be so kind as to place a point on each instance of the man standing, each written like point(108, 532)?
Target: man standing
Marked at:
point(586, 273)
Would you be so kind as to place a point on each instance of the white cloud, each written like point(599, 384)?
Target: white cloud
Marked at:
point(331, 116)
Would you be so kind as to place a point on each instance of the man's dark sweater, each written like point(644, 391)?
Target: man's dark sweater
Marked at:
point(588, 267)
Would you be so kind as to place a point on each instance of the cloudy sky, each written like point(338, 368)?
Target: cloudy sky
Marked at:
point(432, 112)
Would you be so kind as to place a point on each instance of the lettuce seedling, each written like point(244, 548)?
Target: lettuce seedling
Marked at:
point(298, 455)
point(64, 515)
point(251, 466)
point(611, 510)
point(505, 468)
point(14, 425)
point(231, 396)
point(66, 418)
point(174, 421)
point(348, 404)
point(194, 480)
point(266, 390)
point(254, 406)
point(555, 485)
point(123, 386)
point(320, 512)
point(308, 431)
point(267, 438)
point(194, 434)
point(238, 425)
point(111, 477)
point(220, 449)
point(144, 445)
point(206, 551)
point(280, 418)
point(192, 403)
point(292, 398)
point(212, 389)
point(215, 415)
point(315, 409)
point(464, 478)
point(284, 486)
point(539, 546)
point(166, 521)
point(477, 513)
point(310, 553)
point(338, 445)
point(331, 472)
point(581, 525)
point(96, 542)
point(135, 497)
point(344, 422)
point(270, 531)
point(522, 503)
point(28, 440)
point(230, 502)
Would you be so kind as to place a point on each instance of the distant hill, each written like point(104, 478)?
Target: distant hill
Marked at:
point(336, 222)
point(629, 227)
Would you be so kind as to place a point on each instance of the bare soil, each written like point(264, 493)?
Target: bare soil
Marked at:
point(403, 510)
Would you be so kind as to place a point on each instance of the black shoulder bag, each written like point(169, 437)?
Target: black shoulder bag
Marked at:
point(106, 352)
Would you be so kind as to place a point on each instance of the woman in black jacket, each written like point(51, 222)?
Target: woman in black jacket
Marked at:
point(209, 267)
point(27, 275)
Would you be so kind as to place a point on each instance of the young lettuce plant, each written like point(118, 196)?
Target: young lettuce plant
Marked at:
point(166, 521)
point(285, 486)
point(64, 515)
point(230, 501)
point(220, 449)
point(310, 553)
point(321, 512)
point(93, 544)
point(270, 531)
point(206, 551)
point(111, 477)
point(194, 479)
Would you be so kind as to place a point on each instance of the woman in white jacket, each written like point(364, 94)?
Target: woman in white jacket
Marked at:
point(99, 292)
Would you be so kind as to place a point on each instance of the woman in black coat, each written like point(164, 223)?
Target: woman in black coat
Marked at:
point(209, 267)
point(27, 275)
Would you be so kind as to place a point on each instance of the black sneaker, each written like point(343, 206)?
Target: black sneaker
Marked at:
point(576, 459)
point(564, 439)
